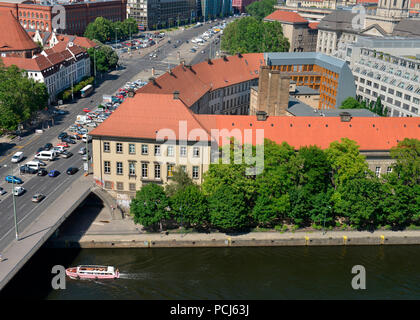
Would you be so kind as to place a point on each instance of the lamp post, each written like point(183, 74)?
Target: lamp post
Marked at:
point(14, 203)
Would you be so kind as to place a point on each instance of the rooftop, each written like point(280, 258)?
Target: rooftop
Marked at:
point(286, 16)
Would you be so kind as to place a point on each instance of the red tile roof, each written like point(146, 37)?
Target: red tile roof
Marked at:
point(414, 2)
point(12, 35)
point(145, 114)
point(367, 1)
point(286, 16)
point(192, 83)
point(313, 25)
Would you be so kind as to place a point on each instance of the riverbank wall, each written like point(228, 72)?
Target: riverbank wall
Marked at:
point(253, 239)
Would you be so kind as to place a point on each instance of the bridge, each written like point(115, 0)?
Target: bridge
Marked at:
point(18, 252)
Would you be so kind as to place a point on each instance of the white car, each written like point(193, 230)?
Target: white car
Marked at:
point(18, 191)
point(2, 191)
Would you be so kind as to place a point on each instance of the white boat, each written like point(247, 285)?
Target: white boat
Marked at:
point(92, 272)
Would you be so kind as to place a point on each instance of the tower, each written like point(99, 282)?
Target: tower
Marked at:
point(388, 14)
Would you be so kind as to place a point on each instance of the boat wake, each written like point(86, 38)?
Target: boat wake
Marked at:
point(134, 276)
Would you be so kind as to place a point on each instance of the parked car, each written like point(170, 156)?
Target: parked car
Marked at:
point(75, 137)
point(71, 170)
point(66, 154)
point(53, 173)
point(27, 169)
point(62, 135)
point(68, 140)
point(40, 149)
point(13, 179)
point(62, 144)
point(37, 197)
point(82, 150)
point(86, 157)
point(2, 191)
point(87, 110)
point(18, 191)
point(40, 162)
point(42, 172)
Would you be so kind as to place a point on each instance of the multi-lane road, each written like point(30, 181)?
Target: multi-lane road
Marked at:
point(26, 210)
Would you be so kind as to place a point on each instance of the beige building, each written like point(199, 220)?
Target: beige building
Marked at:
point(302, 34)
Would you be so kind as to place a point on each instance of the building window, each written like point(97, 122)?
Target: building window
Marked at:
point(171, 168)
point(183, 151)
point(106, 147)
point(120, 186)
point(119, 168)
point(132, 148)
point(196, 152)
point(107, 167)
point(119, 148)
point(389, 170)
point(378, 171)
point(184, 168)
point(144, 149)
point(108, 185)
point(157, 171)
point(132, 186)
point(170, 151)
point(195, 170)
point(144, 170)
point(157, 150)
point(131, 168)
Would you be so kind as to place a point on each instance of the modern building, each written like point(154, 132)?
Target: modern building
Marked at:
point(150, 134)
point(152, 14)
point(302, 34)
point(388, 68)
point(211, 9)
point(76, 15)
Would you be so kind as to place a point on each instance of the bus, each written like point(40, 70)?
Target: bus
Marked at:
point(86, 90)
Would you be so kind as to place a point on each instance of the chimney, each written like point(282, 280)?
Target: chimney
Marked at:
point(225, 58)
point(131, 93)
point(209, 61)
point(239, 55)
point(176, 95)
point(345, 116)
point(261, 115)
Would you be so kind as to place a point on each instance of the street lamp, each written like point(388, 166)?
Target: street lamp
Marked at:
point(14, 203)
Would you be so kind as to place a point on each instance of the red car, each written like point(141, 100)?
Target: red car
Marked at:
point(86, 110)
point(63, 144)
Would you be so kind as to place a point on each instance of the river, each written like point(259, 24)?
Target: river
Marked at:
point(392, 272)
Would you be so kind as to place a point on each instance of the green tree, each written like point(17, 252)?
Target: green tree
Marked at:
point(189, 206)
point(150, 206)
point(378, 107)
point(228, 209)
point(103, 57)
point(101, 29)
point(20, 97)
point(351, 103)
point(407, 161)
point(250, 35)
point(179, 181)
point(260, 9)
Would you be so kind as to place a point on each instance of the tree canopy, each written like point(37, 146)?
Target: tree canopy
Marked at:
point(103, 57)
point(260, 9)
point(20, 97)
point(247, 35)
point(105, 30)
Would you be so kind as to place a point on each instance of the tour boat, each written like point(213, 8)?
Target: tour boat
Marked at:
point(93, 272)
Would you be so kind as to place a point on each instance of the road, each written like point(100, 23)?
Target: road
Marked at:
point(27, 211)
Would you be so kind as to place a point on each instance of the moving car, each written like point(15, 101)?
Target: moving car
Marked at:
point(13, 179)
point(71, 170)
point(68, 140)
point(53, 173)
point(37, 197)
point(17, 157)
point(87, 110)
point(18, 191)
point(27, 169)
point(62, 144)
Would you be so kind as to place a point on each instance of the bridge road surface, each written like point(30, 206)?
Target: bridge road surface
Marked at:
point(27, 211)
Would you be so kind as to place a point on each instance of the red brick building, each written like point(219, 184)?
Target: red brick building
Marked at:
point(78, 15)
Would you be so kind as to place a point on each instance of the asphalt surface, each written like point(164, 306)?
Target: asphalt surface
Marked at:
point(26, 210)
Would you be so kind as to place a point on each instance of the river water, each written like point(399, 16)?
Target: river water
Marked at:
point(392, 272)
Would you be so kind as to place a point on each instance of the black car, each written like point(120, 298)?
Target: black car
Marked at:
point(62, 135)
point(26, 169)
point(42, 172)
point(71, 170)
point(48, 146)
point(169, 41)
point(68, 140)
